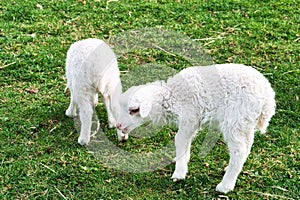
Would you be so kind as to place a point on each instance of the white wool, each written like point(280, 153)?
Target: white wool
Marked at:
point(234, 98)
point(92, 68)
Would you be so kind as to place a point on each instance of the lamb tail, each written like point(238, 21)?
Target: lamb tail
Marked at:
point(267, 112)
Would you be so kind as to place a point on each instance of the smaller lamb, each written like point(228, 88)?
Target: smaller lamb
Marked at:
point(91, 67)
point(234, 98)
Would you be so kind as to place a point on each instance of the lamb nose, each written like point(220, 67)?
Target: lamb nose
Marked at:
point(118, 126)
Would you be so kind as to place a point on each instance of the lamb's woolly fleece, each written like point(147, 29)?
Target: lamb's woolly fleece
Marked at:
point(91, 67)
point(235, 98)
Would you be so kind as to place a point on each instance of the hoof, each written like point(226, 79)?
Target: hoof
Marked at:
point(83, 141)
point(122, 137)
point(70, 113)
point(224, 188)
point(176, 180)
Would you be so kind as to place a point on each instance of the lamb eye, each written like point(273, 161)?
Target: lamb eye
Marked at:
point(133, 111)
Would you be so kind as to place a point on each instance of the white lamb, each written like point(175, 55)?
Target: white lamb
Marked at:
point(234, 98)
point(92, 67)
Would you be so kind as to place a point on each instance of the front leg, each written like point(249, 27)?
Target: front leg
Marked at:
point(183, 140)
point(95, 100)
point(85, 115)
point(107, 103)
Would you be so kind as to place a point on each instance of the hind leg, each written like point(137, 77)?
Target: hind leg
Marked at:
point(72, 109)
point(239, 150)
point(249, 141)
point(238, 155)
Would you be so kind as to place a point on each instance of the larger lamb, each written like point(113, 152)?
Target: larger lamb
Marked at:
point(234, 98)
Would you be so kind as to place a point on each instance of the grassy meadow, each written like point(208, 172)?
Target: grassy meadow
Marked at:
point(39, 154)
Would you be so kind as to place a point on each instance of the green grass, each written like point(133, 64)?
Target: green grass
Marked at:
point(39, 155)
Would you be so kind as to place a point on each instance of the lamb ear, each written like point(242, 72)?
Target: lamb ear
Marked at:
point(145, 109)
